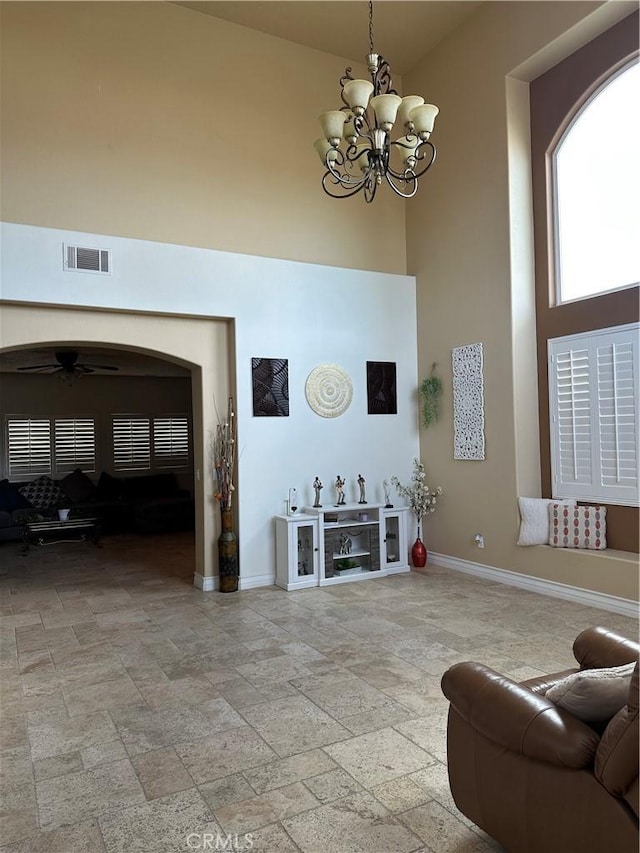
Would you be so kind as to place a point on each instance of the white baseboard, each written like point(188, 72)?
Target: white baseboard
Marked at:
point(586, 597)
point(213, 585)
point(205, 584)
point(256, 580)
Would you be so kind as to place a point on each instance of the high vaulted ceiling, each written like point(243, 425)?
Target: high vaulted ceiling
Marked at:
point(404, 32)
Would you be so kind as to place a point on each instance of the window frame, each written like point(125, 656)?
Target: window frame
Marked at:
point(553, 218)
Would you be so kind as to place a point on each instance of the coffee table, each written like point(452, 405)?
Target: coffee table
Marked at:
point(52, 532)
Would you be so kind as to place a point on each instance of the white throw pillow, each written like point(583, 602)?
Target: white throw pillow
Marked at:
point(594, 695)
point(534, 526)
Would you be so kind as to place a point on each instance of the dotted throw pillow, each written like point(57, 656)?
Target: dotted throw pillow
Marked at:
point(578, 527)
point(43, 493)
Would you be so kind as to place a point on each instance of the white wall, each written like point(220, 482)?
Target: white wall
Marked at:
point(307, 313)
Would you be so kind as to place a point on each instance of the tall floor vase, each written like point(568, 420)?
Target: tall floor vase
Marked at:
point(419, 553)
point(228, 553)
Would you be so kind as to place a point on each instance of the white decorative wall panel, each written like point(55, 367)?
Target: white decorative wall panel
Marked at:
point(468, 402)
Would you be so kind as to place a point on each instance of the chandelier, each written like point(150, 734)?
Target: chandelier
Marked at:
point(357, 148)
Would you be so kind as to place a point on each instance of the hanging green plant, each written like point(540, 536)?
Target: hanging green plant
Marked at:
point(431, 390)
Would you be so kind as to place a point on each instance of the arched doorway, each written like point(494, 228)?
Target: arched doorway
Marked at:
point(186, 351)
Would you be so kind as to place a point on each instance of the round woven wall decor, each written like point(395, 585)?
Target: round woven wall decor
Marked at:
point(329, 390)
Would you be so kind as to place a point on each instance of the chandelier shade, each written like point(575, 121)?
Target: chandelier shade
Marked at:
point(358, 148)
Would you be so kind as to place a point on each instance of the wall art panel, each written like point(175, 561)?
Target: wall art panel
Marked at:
point(270, 378)
point(381, 388)
point(468, 402)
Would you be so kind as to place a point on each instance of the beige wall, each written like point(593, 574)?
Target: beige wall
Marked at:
point(153, 121)
point(469, 244)
point(201, 345)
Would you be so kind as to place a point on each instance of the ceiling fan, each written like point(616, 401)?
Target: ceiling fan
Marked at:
point(67, 364)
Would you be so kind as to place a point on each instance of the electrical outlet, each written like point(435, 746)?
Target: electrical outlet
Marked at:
point(479, 540)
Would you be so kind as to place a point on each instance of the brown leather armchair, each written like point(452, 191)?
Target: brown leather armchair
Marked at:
point(531, 775)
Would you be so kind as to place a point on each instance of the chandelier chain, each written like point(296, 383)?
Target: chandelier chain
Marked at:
point(371, 26)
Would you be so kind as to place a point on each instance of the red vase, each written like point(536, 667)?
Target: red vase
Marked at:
point(419, 554)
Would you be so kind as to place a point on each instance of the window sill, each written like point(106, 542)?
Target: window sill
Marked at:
point(608, 554)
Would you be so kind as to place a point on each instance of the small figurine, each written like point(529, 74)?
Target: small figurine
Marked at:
point(317, 485)
point(345, 544)
point(340, 490)
point(387, 495)
point(361, 482)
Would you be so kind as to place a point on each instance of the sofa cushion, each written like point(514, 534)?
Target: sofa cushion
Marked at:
point(78, 487)
point(153, 486)
point(109, 488)
point(578, 527)
point(5, 519)
point(594, 695)
point(10, 497)
point(43, 493)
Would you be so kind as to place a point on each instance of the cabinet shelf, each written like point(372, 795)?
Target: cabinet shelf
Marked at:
point(356, 552)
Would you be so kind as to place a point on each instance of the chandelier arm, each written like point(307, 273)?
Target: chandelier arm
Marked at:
point(381, 78)
point(346, 193)
point(342, 177)
point(420, 156)
point(408, 178)
point(370, 191)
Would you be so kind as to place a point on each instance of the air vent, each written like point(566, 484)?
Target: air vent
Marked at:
point(86, 259)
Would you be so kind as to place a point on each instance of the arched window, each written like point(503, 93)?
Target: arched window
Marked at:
point(595, 171)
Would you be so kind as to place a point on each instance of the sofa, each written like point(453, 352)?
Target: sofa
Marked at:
point(152, 503)
point(550, 775)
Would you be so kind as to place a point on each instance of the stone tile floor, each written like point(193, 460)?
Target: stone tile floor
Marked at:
point(139, 714)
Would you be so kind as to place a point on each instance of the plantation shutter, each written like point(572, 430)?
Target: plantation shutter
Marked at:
point(29, 446)
point(75, 444)
point(593, 395)
point(131, 443)
point(171, 441)
point(617, 415)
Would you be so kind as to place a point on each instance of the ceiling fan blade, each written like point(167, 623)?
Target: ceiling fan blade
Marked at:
point(101, 366)
point(83, 368)
point(37, 367)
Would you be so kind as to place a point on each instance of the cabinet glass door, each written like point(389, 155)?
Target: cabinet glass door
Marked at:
point(392, 539)
point(306, 550)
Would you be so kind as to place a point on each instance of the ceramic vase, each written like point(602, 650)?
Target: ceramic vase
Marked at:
point(419, 553)
point(227, 553)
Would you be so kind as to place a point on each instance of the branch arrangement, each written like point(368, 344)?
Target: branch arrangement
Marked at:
point(421, 498)
point(224, 447)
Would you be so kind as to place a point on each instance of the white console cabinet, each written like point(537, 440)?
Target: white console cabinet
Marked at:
point(333, 544)
point(297, 553)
